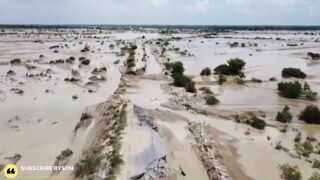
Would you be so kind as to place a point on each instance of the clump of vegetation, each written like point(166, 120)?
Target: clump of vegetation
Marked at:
point(257, 123)
point(316, 164)
point(256, 80)
point(84, 61)
point(285, 116)
point(304, 149)
point(177, 68)
point(290, 172)
point(122, 118)
point(85, 49)
point(206, 90)
point(191, 87)
point(310, 95)
point(295, 90)
point(206, 72)
point(315, 176)
point(87, 166)
point(234, 67)
point(85, 116)
point(223, 70)
point(311, 115)
point(116, 159)
point(297, 138)
point(179, 79)
point(211, 100)
point(284, 129)
point(293, 72)
point(290, 89)
point(65, 154)
point(222, 79)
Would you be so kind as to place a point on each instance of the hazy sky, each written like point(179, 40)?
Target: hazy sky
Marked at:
point(211, 12)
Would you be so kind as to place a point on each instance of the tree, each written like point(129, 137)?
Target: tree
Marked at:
point(311, 115)
point(211, 100)
point(236, 65)
point(285, 116)
point(290, 89)
point(258, 123)
point(206, 72)
point(293, 72)
point(290, 172)
point(177, 68)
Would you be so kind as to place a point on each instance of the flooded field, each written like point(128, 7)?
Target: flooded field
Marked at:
point(113, 98)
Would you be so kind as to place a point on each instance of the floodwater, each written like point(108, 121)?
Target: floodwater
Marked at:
point(38, 125)
point(255, 152)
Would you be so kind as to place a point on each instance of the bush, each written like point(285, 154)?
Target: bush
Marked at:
point(206, 90)
point(211, 100)
point(190, 87)
point(316, 164)
point(222, 79)
point(85, 62)
point(285, 116)
point(311, 115)
point(315, 176)
point(87, 166)
point(236, 65)
point(304, 149)
point(258, 123)
point(180, 80)
point(290, 89)
point(206, 72)
point(255, 80)
point(64, 154)
point(293, 72)
point(222, 69)
point(290, 172)
point(177, 68)
point(310, 95)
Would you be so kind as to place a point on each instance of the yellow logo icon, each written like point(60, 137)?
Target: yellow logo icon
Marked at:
point(10, 171)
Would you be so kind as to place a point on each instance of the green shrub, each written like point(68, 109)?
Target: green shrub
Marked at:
point(290, 89)
point(236, 65)
point(177, 68)
point(258, 123)
point(315, 176)
point(211, 100)
point(310, 95)
point(304, 149)
point(206, 72)
point(222, 79)
point(180, 80)
point(87, 166)
point(222, 69)
point(293, 72)
point(285, 116)
point(316, 164)
point(190, 87)
point(311, 115)
point(290, 172)
point(206, 90)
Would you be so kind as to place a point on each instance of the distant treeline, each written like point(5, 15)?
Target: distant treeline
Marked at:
point(207, 28)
